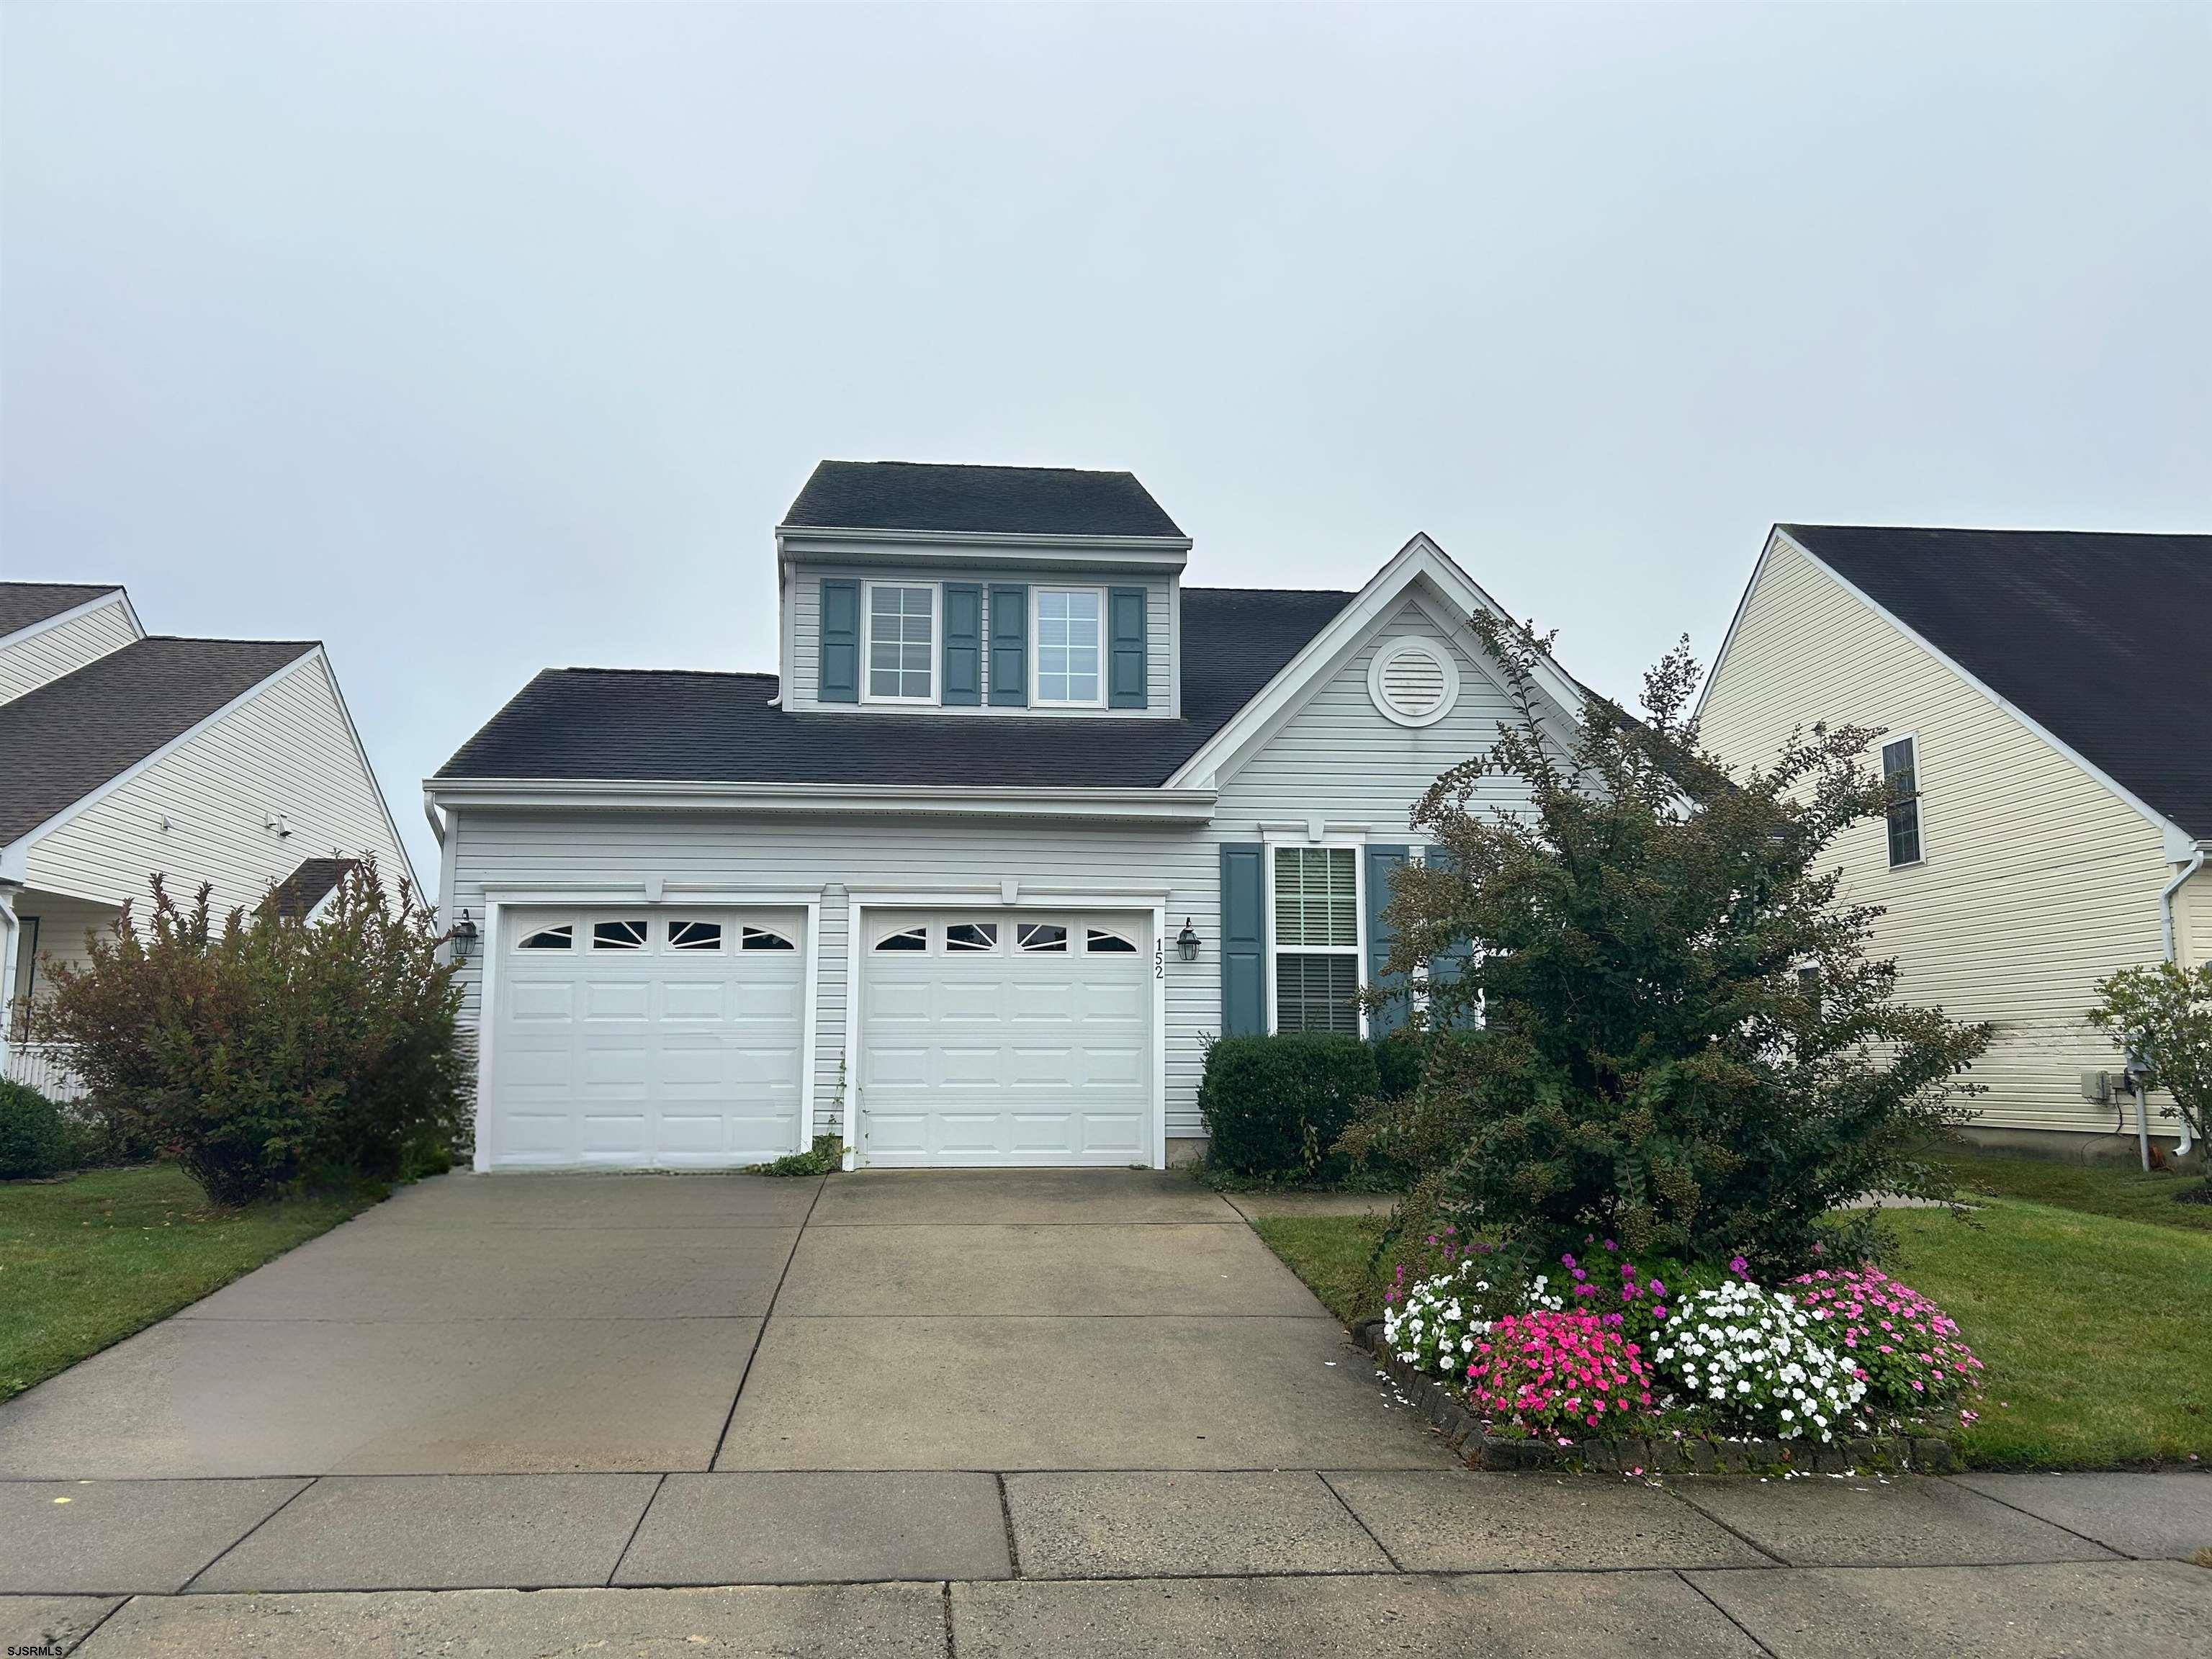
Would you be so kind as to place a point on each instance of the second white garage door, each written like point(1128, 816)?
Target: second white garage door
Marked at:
point(1005, 1038)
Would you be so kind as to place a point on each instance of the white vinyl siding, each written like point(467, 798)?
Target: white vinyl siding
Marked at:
point(2035, 881)
point(63, 648)
point(1337, 758)
point(803, 597)
point(287, 750)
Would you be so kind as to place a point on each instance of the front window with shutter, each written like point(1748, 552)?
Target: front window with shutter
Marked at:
point(1316, 938)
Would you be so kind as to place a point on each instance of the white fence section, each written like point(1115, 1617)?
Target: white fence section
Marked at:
point(45, 1066)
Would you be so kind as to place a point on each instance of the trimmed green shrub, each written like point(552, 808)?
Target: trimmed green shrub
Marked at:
point(1273, 1106)
point(1397, 1066)
point(34, 1137)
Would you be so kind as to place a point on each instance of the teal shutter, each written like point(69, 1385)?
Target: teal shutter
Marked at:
point(1125, 609)
point(1446, 966)
point(1010, 646)
point(964, 645)
point(841, 642)
point(1243, 940)
point(1382, 863)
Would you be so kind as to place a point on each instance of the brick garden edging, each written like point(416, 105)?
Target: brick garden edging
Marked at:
point(1612, 1455)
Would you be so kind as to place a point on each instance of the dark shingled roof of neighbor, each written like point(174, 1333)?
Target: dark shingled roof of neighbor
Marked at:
point(1011, 500)
point(670, 726)
point(2101, 638)
point(22, 603)
point(71, 735)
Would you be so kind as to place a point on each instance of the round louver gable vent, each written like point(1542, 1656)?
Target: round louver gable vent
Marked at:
point(1413, 681)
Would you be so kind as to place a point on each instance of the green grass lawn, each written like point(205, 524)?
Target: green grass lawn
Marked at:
point(86, 1261)
point(2115, 1189)
point(2097, 1330)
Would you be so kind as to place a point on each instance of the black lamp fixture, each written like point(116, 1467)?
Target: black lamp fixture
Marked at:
point(1187, 942)
point(464, 938)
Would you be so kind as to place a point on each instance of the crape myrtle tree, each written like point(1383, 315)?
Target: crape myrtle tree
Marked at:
point(1663, 1026)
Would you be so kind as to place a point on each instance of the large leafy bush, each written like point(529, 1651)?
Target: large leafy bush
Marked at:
point(35, 1139)
point(263, 1049)
point(1668, 1032)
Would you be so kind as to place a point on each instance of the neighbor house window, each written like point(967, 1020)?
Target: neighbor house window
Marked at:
point(1067, 644)
point(1316, 938)
point(1900, 768)
point(902, 643)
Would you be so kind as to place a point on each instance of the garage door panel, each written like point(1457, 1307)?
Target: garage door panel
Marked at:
point(1038, 1057)
point(647, 1058)
point(540, 1002)
point(618, 1001)
point(706, 1001)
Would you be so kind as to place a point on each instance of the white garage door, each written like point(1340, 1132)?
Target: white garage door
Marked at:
point(1005, 1038)
point(648, 1039)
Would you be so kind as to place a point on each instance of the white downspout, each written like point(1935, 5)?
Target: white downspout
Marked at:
point(11, 932)
point(2166, 924)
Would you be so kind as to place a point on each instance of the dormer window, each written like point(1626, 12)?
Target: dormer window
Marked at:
point(1067, 650)
point(901, 647)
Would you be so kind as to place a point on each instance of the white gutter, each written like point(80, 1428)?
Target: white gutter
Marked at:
point(1170, 806)
point(2165, 923)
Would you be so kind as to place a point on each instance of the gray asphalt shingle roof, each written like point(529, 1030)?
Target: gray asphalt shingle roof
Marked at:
point(22, 603)
point(71, 735)
point(1036, 500)
point(670, 726)
point(2099, 637)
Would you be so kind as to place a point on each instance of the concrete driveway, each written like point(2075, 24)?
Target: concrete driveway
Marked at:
point(1009, 1413)
point(521, 1324)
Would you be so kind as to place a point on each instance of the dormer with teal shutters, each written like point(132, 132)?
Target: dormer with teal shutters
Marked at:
point(909, 588)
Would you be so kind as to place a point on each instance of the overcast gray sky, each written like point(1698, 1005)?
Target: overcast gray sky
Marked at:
point(474, 339)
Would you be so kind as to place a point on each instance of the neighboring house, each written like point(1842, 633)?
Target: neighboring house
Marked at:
point(2041, 695)
point(1022, 823)
point(122, 755)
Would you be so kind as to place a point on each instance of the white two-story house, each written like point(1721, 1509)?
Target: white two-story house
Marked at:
point(1021, 820)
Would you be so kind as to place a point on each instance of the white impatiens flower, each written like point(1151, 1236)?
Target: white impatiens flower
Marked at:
point(1758, 1352)
point(1436, 1326)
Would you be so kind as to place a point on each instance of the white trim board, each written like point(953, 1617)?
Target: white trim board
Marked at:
point(1174, 806)
point(2174, 835)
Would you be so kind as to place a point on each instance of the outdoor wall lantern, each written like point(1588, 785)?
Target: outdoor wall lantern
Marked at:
point(1187, 942)
point(464, 938)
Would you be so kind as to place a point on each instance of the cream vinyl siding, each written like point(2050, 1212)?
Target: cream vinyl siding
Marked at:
point(2036, 880)
point(1337, 758)
point(287, 750)
point(803, 597)
point(2192, 919)
point(64, 648)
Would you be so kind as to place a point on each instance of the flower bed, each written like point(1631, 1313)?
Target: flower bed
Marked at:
point(1605, 1366)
